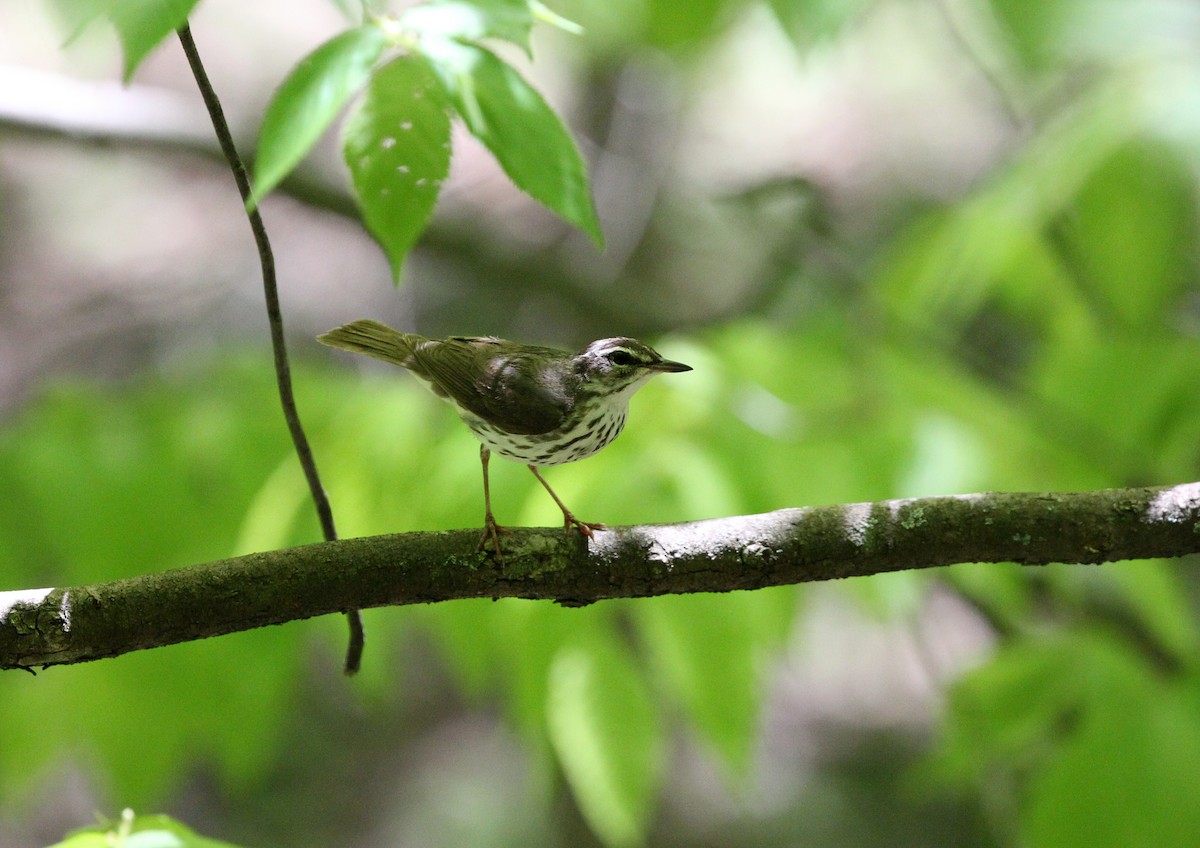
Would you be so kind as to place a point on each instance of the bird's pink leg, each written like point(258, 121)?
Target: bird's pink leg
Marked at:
point(491, 530)
point(569, 519)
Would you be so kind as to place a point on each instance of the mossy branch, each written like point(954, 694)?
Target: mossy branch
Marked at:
point(44, 627)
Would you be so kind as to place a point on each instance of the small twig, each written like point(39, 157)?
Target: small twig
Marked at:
point(283, 372)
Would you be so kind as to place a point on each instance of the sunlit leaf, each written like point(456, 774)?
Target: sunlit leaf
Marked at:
point(604, 726)
point(143, 24)
point(952, 261)
point(1134, 226)
point(807, 21)
point(521, 130)
point(1156, 593)
point(1004, 713)
point(84, 840)
point(1110, 744)
point(76, 15)
point(709, 650)
point(1129, 402)
point(94, 471)
point(544, 14)
point(397, 145)
point(1126, 773)
point(310, 98)
point(470, 20)
point(669, 23)
point(528, 639)
point(1034, 31)
point(153, 831)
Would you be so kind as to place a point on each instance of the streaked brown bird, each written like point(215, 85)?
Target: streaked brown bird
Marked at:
point(535, 405)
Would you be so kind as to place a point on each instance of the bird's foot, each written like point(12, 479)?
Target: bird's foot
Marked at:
point(491, 534)
point(584, 527)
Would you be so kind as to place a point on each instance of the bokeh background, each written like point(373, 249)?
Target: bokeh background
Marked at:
point(912, 247)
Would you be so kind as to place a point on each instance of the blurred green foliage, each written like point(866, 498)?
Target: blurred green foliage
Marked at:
point(1038, 332)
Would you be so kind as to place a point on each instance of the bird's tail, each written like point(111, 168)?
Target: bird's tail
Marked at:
point(373, 339)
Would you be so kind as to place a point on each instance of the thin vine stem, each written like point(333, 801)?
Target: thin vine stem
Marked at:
point(283, 371)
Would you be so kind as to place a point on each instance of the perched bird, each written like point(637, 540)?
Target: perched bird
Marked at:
point(535, 405)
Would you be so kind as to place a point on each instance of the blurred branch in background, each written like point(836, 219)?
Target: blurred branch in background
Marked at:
point(51, 106)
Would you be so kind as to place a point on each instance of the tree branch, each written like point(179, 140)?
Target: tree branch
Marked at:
point(75, 624)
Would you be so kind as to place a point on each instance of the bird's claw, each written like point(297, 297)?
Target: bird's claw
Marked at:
point(492, 532)
point(584, 527)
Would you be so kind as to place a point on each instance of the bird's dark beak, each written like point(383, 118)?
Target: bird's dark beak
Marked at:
point(669, 367)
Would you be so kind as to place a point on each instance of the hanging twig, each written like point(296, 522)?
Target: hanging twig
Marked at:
point(283, 374)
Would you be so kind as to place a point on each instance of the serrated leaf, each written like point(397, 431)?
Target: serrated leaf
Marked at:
point(470, 20)
point(397, 146)
point(143, 24)
point(522, 131)
point(604, 727)
point(310, 98)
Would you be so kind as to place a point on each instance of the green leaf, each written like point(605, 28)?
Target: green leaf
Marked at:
point(1097, 747)
point(952, 261)
point(1126, 776)
point(604, 727)
point(1157, 593)
point(470, 20)
point(543, 14)
point(523, 133)
point(153, 831)
point(397, 145)
point(528, 638)
point(814, 20)
point(77, 15)
point(91, 839)
point(1005, 712)
point(143, 24)
point(1133, 228)
point(197, 445)
point(710, 650)
point(309, 99)
point(671, 24)
point(1037, 33)
point(153, 839)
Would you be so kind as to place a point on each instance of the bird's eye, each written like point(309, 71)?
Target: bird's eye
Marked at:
point(621, 357)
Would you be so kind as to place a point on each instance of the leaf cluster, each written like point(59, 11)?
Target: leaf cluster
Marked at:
point(411, 73)
point(396, 140)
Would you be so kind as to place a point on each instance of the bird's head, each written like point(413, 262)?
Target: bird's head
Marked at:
point(619, 365)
